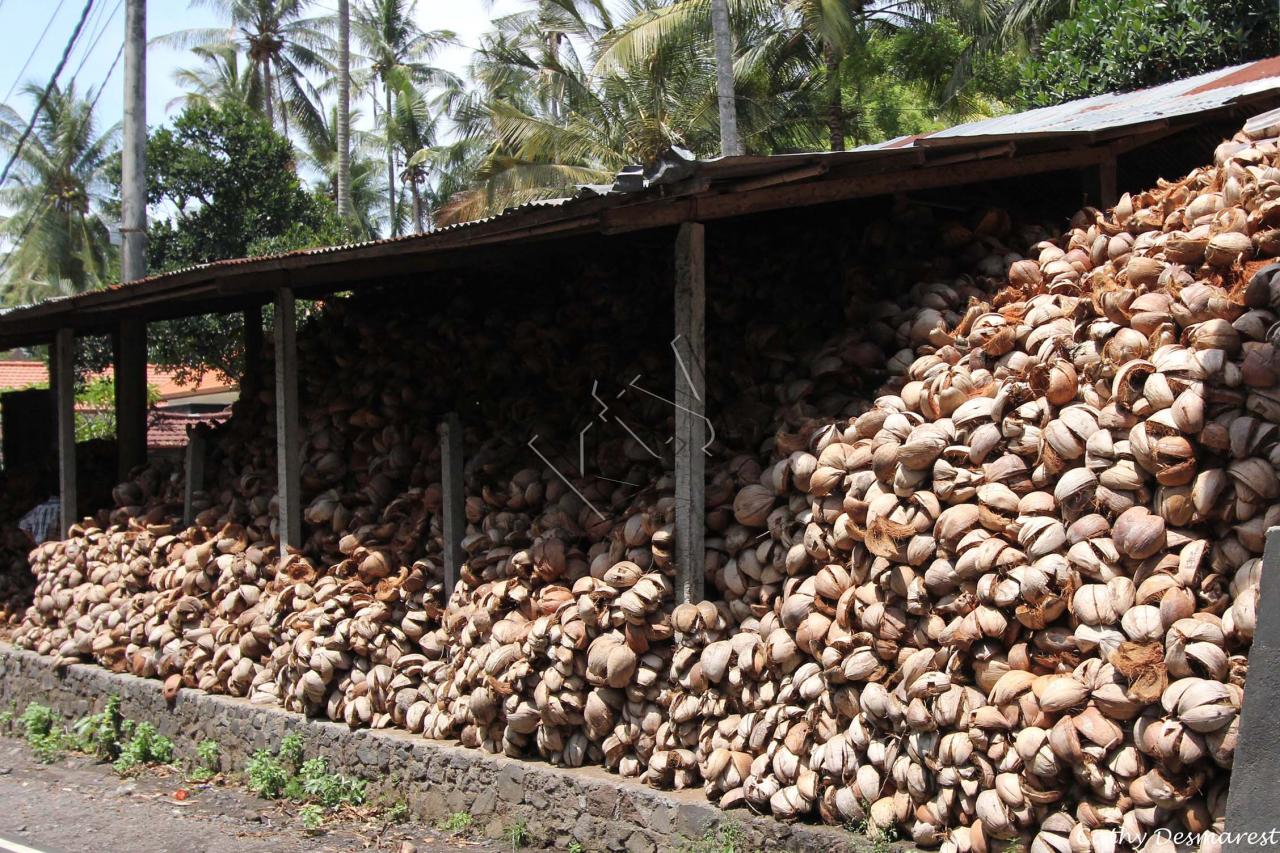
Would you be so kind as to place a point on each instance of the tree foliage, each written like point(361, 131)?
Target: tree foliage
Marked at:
point(1110, 45)
point(61, 244)
point(230, 183)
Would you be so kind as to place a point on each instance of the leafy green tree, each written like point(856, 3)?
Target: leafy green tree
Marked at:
point(230, 182)
point(95, 407)
point(1108, 45)
point(55, 194)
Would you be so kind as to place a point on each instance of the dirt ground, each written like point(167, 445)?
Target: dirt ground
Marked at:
point(78, 805)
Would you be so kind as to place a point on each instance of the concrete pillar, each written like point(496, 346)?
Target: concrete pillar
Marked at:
point(1253, 804)
point(691, 431)
point(130, 345)
point(195, 472)
point(454, 511)
point(63, 378)
point(133, 183)
point(288, 438)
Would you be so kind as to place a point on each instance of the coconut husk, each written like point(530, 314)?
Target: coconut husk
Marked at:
point(1143, 665)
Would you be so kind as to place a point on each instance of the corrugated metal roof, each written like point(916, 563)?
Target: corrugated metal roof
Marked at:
point(1115, 110)
point(678, 188)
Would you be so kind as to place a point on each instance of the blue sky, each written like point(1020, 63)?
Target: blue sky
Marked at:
point(22, 21)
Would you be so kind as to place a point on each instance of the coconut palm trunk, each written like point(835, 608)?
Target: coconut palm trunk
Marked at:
point(835, 108)
point(344, 109)
point(730, 144)
point(391, 162)
point(268, 99)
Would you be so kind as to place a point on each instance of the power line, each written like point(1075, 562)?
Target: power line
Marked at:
point(39, 212)
point(39, 42)
point(44, 97)
point(93, 45)
point(105, 80)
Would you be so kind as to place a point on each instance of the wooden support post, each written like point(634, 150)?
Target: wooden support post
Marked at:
point(63, 377)
point(454, 524)
point(130, 354)
point(1107, 193)
point(288, 439)
point(252, 349)
point(1253, 802)
point(195, 473)
point(691, 431)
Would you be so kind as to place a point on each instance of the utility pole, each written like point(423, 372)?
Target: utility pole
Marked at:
point(133, 183)
point(344, 109)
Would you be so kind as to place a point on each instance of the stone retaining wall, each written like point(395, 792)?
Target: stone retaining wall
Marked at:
point(602, 811)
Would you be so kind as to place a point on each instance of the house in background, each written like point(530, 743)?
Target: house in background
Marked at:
point(179, 405)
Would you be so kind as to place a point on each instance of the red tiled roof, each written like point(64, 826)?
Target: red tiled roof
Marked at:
point(15, 375)
point(166, 429)
point(24, 374)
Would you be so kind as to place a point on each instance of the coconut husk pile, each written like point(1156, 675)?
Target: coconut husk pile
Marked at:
point(1006, 597)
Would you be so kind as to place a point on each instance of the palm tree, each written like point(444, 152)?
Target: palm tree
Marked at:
point(281, 45)
point(626, 116)
point(321, 152)
point(399, 53)
point(60, 245)
point(415, 128)
point(689, 21)
point(344, 109)
point(545, 28)
point(220, 81)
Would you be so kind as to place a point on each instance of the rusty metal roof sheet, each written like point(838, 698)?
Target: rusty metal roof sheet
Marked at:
point(679, 188)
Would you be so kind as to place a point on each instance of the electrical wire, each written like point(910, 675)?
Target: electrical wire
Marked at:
point(17, 151)
point(35, 217)
point(93, 45)
point(44, 96)
point(34, 50)
point(107, 79)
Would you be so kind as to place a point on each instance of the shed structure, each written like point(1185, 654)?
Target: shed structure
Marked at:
point(1099, 146)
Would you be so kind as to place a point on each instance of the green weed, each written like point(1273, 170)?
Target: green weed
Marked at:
point(288, 775)
point(42, 732)
point(291, 751)
point(267, 776)
point(331, 789)
point(455, 824)
point(100, 734)
point(209, 754)
point(144, 746)
point(209, 760)
point(517, 833)
point(725, 838)
point(312, 817)
point(398, 813)
point(881, 838)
